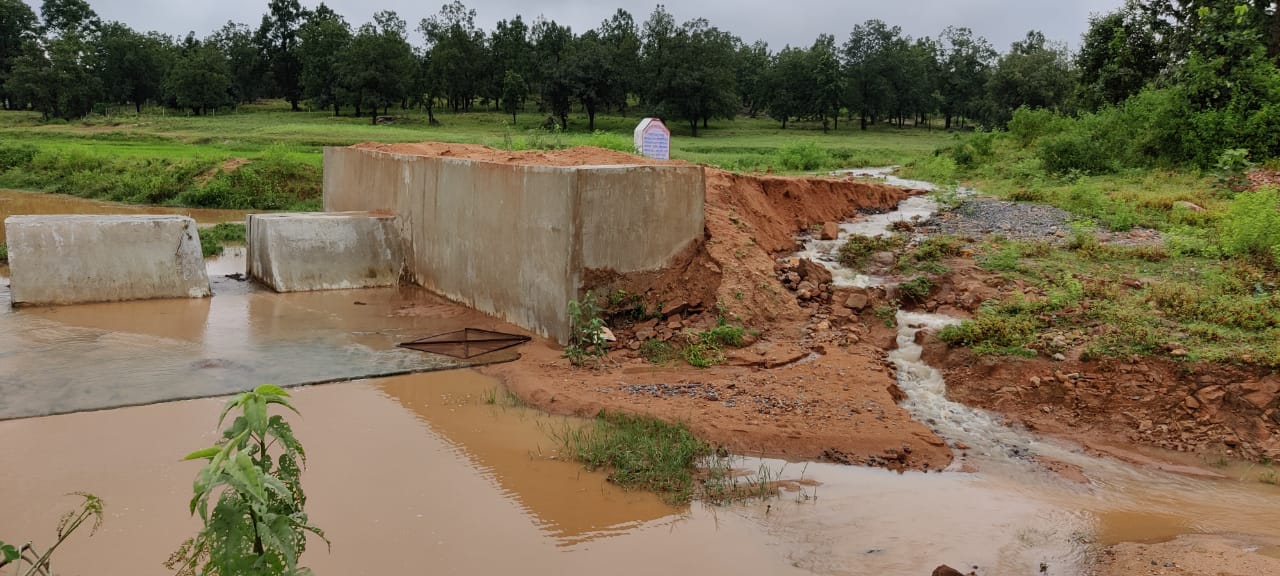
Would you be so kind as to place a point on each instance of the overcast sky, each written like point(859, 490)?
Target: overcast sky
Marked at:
point(778, 22)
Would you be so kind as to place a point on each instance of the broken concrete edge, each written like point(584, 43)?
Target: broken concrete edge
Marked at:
point(61, 259)
point(311, 251)
point(515, 240)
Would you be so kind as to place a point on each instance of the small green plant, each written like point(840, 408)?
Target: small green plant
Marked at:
point(1233, 168)
point(702, 354)
point(657, 351)
point(888, 314)
point(1252, 226)
point(4, 253)
point(916, 290)
point(804, 156)
point(257, 524)
point(37, 562)
point(586, 332)
point(639, 452)
point(857, 249)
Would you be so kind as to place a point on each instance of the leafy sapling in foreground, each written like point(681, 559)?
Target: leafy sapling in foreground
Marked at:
point(256, 523)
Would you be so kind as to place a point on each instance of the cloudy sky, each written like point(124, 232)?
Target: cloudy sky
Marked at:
point(779, 23)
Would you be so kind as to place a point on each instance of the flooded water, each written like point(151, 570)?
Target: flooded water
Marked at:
point(19, 202)
point(443, 472)
point(69, 358)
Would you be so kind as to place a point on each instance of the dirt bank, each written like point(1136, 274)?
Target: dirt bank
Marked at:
point(786, 394)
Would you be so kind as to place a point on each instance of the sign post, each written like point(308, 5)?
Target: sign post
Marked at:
point(653, 139)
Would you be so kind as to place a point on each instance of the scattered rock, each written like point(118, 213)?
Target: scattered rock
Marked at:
point(830, 231)
point(945, 570)
point(857, 300)
point(813, 271)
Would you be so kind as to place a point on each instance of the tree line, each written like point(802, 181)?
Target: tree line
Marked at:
point(67, 63)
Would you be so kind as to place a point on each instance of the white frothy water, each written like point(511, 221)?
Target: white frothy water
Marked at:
point(914, 209)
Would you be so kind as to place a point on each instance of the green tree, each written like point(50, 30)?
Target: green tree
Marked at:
point(1036, 73)
point(596, 82)
point(621, 37)
point(789, 86)
point(322, 39)
point(200, 79)
point(377, 68)
point(131, 66)
point(18, 29)
point(245, 62)
point(1120, 54)
point(278, 38)
point(511, 52)
point(752, 74)
point(828, 81)
point(870, 70)
point(965, 63)
point(514, 91)
point(458, 53)
point(68, 18)
point(55, 77)
point(695, 72)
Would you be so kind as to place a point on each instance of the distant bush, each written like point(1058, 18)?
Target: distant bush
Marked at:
point(13, 156)
point(804, 156)
point(1029, 125)
point(611, 141)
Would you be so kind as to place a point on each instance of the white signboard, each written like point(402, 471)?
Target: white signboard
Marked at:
point(653, 139)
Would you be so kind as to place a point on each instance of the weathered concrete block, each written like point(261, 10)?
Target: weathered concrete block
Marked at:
point(318, 251)
point(72, 259)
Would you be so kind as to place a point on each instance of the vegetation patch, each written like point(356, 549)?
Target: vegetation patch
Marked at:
point(214, 238)
point(858, 248)
point(640, 452)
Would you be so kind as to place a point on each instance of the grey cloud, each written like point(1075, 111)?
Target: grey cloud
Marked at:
point(777, 22)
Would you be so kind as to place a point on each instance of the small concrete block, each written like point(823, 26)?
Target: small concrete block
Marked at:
point(69, 259)
point(303, 252)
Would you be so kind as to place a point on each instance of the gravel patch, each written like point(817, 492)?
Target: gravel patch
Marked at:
point(979, 217)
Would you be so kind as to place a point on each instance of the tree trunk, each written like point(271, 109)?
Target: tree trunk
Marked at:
point(137, 106)
point(293, 103)
point(373, 116)
point(784, 123)
point(948, 121)
point(862, 119)
point(704, 121)
point(513, 118)
point(336, 111)
point(591, 119)
point(693, 123)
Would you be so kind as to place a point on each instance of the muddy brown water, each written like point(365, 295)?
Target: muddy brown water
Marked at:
point(441, 472)
point(21, 202)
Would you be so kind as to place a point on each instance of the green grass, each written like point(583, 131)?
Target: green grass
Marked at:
point(640, 453)
point(214, 238)
point(858, 248)
point(156, 157)
point(4, 253)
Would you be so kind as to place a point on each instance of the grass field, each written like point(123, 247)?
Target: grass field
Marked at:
point(161, 157)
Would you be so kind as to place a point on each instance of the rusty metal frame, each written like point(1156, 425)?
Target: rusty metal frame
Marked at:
point(438, 343)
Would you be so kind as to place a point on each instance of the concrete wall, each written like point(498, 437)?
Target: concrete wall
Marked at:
point(514, 240)
point(324, 251)
point(73, 259)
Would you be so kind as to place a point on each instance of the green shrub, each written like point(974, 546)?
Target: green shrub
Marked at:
point(1074, 150)
point(1029, 125)
point(915, 290)
point(16, 156)
point(586, 332)
point(212, 238)
point(806, 156)
point(4, 253)
point(1252, 225)
point(992, 331)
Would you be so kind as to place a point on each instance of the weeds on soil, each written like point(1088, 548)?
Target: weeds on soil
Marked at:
point(858, 249)
point(586, 332)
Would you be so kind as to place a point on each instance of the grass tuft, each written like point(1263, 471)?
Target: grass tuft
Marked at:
point(640, 453)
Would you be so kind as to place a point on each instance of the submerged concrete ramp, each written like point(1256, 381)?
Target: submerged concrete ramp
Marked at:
point(519, 240)
point(323, 251)
point(75, 259)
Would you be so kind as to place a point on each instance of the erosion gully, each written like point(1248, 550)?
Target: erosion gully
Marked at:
point(440, 471)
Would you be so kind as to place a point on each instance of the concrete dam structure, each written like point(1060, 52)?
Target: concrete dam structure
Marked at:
point(72, 259)
point(517, 240)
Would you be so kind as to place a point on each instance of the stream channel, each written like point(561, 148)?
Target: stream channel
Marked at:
point(441, 472)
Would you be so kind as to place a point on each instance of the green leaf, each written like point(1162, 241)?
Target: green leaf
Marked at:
point(255, 412)
point(246, 477)
point(234, 402)
point(270, 390)
point(283, 432)
point(206, 454)
point(8, 552)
